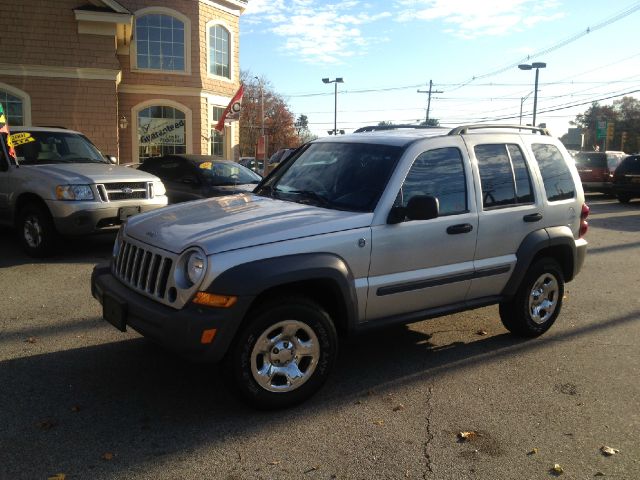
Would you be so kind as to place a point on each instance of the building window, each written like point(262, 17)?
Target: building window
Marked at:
point(217, 140)
point(160, 43)
point(13, 108)
point(161, 131)
point(219, 51)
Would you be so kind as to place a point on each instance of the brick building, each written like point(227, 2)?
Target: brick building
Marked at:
point(138, 77)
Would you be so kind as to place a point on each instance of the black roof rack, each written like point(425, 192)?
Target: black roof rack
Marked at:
point(462, 129)
point(375, 128)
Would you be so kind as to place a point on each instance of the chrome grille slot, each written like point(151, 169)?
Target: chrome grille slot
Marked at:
point(145, 269)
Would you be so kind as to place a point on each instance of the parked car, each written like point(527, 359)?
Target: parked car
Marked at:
point(596, 169)
point(60, 184)
point(355, 232)
point(192, 177)
point(252, 164)
point(626, 179)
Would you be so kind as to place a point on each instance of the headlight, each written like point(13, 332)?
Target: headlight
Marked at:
point(74, 192)
point(158, 189)
point(195, 267)
point(190, 269)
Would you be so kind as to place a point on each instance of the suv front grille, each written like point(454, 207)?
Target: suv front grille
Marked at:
point(143, 269)
point(110, 192)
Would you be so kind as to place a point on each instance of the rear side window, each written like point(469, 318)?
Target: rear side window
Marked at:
point(591, 160)
point(630, 165)
point(557, 179)
point(504, 175)
point(438, 173)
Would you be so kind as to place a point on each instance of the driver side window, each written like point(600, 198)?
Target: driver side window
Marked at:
point(438, 173)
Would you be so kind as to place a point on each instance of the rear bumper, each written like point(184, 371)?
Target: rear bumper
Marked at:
point(177, 330)
point(604, 187)
point(581, 253)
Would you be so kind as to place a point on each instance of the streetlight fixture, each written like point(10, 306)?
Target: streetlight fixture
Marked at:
point(537, 66)
point(336, 81)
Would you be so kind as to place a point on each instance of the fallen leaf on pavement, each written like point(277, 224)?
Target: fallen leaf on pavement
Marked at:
point(557, 469)
point(313, 469)
point(76, 408)
point(608, 451)
point(57, 476)
point(31, 340)
point(468, 436)
point(398, 407)
point(533, 452)
point(107, 456)
point(274, 462)
point(379, 422)
point(481, 332)
point(599, 474)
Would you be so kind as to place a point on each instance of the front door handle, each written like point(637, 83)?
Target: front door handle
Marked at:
point(533, 217)
point(462, 228)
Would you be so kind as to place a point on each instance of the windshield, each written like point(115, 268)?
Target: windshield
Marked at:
point(54, 147)
point(221, 174)
point(343, 176)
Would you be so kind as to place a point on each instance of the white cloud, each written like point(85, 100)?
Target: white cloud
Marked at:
point(470, 19)
point(327, 33)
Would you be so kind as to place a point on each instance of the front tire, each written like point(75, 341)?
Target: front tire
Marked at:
point(537, 302)
point(623, 198)
point(36, 230)
point(284, 354)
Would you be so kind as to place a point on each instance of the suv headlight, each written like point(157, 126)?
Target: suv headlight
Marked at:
point(74, 192)
point(192, 266)
point(158, 189)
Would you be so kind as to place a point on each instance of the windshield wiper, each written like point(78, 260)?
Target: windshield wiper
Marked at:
point(320, 200)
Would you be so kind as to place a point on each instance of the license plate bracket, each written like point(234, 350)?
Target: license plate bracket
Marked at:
point(114, 311)
point(126, 212)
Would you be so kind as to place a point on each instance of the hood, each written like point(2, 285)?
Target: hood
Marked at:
point(238, 221)
point(89, 173)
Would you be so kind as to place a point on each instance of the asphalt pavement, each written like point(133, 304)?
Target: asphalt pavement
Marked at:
point(80, 399)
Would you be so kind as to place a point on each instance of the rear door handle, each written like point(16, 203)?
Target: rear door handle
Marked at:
point(533, 217)
point(462, 228)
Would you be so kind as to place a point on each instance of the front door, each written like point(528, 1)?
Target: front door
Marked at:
point(421, 264)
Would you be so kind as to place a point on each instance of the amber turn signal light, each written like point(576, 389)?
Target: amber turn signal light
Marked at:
point(213, 300)
point(208, 335)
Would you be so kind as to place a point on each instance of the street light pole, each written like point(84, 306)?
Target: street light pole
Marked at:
point(537, 66)
point(522, 99)
point(335, 81)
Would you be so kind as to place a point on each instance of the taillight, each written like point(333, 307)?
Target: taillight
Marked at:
point(584, 225)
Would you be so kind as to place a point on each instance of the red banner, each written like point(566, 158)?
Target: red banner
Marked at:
point(232, 110)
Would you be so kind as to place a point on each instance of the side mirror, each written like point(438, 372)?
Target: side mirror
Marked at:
point(422, 207)
point(112, 159)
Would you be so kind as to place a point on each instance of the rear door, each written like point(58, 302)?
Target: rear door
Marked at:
point(508, 208)
point(422, 264)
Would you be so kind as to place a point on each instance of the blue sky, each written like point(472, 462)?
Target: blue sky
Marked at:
point(386, 51)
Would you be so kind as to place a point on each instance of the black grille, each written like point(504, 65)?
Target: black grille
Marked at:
point(126, 196)
point(123, 191)
point(142, 269)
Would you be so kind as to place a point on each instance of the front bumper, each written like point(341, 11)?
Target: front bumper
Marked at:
point(177, 330)
point(83, 218)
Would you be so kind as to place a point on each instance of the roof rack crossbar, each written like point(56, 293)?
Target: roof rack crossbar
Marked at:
point(462, 129)
point(375, 128)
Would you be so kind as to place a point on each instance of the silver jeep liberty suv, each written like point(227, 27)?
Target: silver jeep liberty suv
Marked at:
point(353, 232)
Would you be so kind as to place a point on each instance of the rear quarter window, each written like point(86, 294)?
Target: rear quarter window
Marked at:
point(556, 176)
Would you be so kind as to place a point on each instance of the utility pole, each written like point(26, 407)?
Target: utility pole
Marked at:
point(430, 91)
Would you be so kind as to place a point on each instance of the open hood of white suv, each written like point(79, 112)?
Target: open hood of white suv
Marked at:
point(239, 221)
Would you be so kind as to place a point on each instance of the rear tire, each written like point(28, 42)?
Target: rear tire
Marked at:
point(623, 198)
point(283, 355)
point(36, 230)
point(537, 302)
